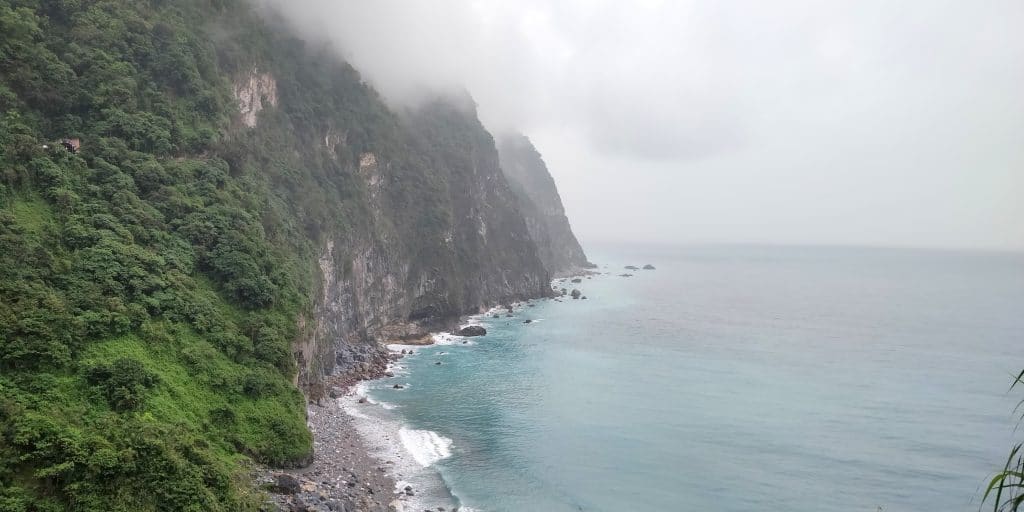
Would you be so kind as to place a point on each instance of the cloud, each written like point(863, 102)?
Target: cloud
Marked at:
point(851, 121)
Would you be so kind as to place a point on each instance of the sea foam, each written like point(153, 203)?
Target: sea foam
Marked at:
point(425, 446)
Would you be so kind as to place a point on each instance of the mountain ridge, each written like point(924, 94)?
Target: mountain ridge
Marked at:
point(244, 217)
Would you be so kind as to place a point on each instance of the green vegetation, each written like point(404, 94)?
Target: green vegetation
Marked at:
point(1006, 489)
point(146, 314)
point(152, 284)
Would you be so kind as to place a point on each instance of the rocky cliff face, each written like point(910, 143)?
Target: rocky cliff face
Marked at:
point(540, 205)
point(444, 237)
point(252, 93)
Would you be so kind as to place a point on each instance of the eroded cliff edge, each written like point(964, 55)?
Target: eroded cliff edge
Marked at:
point(443, 237)
point(541, 205)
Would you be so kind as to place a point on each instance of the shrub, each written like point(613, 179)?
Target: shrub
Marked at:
point(123, 383)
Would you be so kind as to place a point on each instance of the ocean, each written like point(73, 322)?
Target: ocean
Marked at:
point(732, 378)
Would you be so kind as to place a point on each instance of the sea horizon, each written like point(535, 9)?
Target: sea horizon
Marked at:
point(777, 341)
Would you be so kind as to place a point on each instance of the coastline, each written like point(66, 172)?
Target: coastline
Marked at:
point(344, 475)
point(360, 462)
point(364, 457)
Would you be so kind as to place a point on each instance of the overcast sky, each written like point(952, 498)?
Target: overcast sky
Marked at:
point(896, 123)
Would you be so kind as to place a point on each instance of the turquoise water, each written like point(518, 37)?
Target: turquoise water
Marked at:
point(730, 379)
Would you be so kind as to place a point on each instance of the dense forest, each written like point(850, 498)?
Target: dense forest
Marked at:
point(155, 280)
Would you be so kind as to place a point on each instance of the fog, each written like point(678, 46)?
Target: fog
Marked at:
point(843, 122)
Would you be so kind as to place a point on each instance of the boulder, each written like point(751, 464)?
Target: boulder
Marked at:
point(648, 267)
point(286, 484)
point(398, 386)
point(631, 267)
point(577, 280)
point(576, 293)
point(626, 275)
point(527, 321)
point(340, 506)
point(472, 330)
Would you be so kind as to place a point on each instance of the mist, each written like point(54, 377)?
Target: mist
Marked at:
point(849, 122)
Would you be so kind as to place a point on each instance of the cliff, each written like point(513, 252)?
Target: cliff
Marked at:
point(443, 238)
point(244, 216)
point(540, 205)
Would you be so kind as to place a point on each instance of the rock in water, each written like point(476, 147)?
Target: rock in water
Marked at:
point(472, 330)
point(648, 267)
point(631, 267)
point(576, 293)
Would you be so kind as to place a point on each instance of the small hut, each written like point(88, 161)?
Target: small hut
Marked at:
point(71, 145)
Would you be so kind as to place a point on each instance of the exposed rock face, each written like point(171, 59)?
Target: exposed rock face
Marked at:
point(472, 330)
point(541, 206)
point(443, 238)
point(254, 93)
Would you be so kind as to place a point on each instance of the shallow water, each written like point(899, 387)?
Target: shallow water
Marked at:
point(729, 379)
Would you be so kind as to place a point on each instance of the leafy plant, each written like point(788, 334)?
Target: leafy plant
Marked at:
point(1006, 489)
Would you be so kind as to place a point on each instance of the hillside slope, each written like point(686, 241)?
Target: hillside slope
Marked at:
point(541, 205)
point(243, 215)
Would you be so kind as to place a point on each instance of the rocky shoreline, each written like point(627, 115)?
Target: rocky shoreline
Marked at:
point(344, 476)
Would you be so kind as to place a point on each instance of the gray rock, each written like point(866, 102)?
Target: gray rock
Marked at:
point(340, 506)
point(286, 484)
point(472, 330)
point(648, 267)
point(576, 293)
